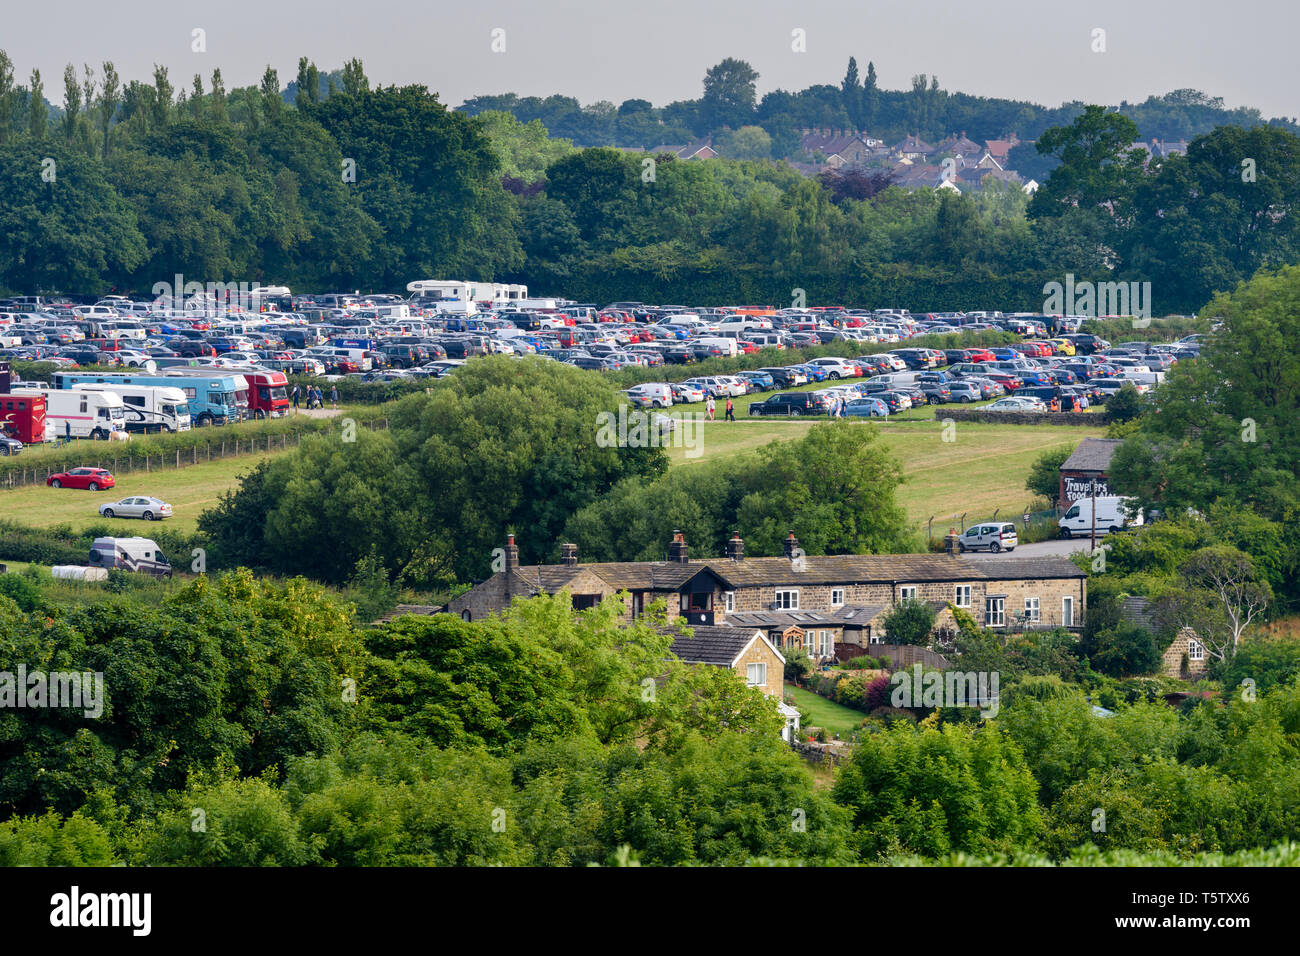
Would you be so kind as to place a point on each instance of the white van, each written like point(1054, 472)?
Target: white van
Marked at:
point(729, 347)
point(652, 394)
point(1113, 514)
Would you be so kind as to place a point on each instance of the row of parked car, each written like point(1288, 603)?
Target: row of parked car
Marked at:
point(907, 377)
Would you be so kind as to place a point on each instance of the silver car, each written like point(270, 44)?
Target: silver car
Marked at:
point(997, 536)
point(150, 509)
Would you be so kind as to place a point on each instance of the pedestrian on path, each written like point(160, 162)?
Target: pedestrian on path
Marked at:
point(708, 407)
point(731, 410)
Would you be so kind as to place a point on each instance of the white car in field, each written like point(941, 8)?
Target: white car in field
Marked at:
point(140, 506)
point(836, 367)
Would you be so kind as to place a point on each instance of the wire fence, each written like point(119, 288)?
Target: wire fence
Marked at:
point(1030, 525)
point(126, 463)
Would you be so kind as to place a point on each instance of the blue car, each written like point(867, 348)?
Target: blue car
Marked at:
point(758, 381)
point(815, 373)
point(867, 408)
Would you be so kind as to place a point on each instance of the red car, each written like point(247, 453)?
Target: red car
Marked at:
point(979, 355)
point(91, 479)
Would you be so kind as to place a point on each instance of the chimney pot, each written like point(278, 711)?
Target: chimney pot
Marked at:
point(677, 551)
point(512, 553)
point(791, 545)
point(736, 547)
point(569, 555)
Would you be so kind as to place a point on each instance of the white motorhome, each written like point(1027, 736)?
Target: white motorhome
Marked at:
point(1114, 513)
point(148, 408)
point(729, 346)
point(81, 414)
point(130, 554)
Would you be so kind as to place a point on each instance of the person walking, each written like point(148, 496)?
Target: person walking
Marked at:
point(320, 398)
point(708, 407)
point(731, 410)
point(67, 430)
point(295, 396)
point(334, 396)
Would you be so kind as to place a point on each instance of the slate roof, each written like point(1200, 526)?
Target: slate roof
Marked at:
point(1093, 454)
point(411, 609)
point(620, 575)
point(715, 645)
point(1001, 568)
point(1137, 610)
point(884, 569)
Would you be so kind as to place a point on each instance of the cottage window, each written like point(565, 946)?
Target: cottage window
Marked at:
point(837, 597)
point(963, 596)
point(1031, 610)
point(729, 601)
point(995, 611)
point(827, 643)
point(787, 599)
point(1195, 650)
point(907, 592)
point(756, 674)
point(1067, 612)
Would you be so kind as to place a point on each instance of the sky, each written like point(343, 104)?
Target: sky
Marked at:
point(1036, 50)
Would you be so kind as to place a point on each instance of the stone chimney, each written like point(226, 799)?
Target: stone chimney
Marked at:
point(677, 549)
point(950, 542)
point(791, 545)
point(736, 547)
point(569, 555)
point(512, 553)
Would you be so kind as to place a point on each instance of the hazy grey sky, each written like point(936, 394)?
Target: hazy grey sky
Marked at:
point(1038, 50)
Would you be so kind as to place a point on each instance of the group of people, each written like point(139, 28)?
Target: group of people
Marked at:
point(709, 408)
point(314, 397)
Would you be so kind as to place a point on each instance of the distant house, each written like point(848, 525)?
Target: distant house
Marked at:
point(1000, 148)
point(960, 147)
point(1089, 462)
point(1159, 149)
point(1185, 658)
point(838, 148)
point(700, 149)
point(746, 651)
point(923, 176)
point(912, 147)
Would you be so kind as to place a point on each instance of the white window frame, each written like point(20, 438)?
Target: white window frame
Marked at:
point(827, 644)
point(791, 596)
point(907, 592)
point(1033, 610)
point(1000, 618)
point(834, 601)
point(957, 598)
point(729, 601)
point(1067, 611)
point(1195, 650)
point(761, 668)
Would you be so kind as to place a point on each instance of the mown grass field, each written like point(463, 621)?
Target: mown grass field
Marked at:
point(189, 490)
point(816, 711)
point(983, 468)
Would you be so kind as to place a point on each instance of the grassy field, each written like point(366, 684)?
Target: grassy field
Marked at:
point(981, 469)
point(189, 490)
point(816, 711)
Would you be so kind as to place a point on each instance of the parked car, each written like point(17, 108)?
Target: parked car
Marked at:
point(790, 403)
point(9, 445)
point(1011, 404)
point(867, 407)
point(998, 536)
point(686, 394)
point(965, 391)
point(758, 381)
point(786, 377)
point(651, 395)
point(150, 509)
point(90, 479)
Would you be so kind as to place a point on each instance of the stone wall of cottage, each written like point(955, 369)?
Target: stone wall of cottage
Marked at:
point(759, 652)
point(1171, 664)
point(1049, 592)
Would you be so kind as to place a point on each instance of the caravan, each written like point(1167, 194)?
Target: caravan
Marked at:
point(148, 408)
point(130, 554)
